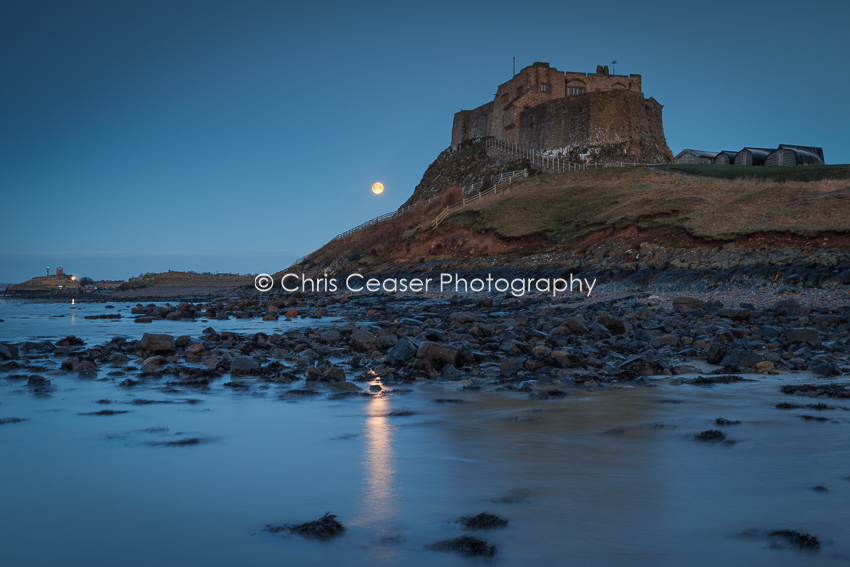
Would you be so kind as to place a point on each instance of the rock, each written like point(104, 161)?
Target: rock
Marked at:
point(435, 355)
point(118, 358)
point(363, 341)
point(644, 336)
point(711, 436)
point(576, 325)
point(403, 351)
point(69, 341)
point(334, 374)
point(802, 335)
point(825, 368)
point(599, 332)
point(482, 521)
point(330, 336)
point(158, 343)
point(37, 381)
point(196, 351)
point(344, 387)
point(765, 366)
point(291, 314)
point(684, 304)
point(5, 353)
point(463, 317)
point(465, 545)
point(511, 365)
point(312, 373)
point(724, 421)
point(796, 539)
point(86, 368)
point(243, 365)
point(680, 369)
point(324, 528)
point(734, 313)
point(616, 325)
point(741, 357)
point(387, 341)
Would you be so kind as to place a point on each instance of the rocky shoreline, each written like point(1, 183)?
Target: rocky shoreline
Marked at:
point(534, 344)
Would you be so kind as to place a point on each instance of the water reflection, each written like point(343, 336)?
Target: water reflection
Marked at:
point(379, 468)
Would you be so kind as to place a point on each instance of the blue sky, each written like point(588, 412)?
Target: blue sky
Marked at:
point(238, 136)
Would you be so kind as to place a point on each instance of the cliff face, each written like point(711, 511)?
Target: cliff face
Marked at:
point(600, 127)
point(458, 167)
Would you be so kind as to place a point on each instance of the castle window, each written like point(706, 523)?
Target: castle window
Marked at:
point(544, 87)
point(575, 90)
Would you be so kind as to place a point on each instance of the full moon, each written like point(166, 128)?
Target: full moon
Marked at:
point(378, 188)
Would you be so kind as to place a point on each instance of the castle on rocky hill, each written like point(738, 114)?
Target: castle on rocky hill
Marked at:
point(583, 117)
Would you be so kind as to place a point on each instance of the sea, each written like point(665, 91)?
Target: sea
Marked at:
point(608, 477)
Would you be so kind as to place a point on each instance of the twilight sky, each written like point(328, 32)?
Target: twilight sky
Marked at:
point(237, 136)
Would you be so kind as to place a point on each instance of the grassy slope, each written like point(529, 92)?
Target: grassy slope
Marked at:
point(568, 207)
point(560, 211)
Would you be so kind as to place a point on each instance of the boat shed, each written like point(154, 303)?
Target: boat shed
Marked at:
point(752, 156)
point(795, 155)
point(725, 157)
point(695, 156)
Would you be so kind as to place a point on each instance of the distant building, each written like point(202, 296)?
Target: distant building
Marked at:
point(725, 157)
point(786, 154)
point(752, 156)
point(60, 272)
point(795, 155)
point(695, 156)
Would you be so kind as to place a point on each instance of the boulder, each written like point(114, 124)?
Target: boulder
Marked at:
point(802, 335)
point(363, 341)
point(404, 350)
point(685, 304)
point(158, 343)
point(436, 355)
point(334, 374)
point(196, 351)
point(243, 365)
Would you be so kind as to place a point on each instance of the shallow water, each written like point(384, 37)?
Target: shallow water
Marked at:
point(33, 320)
point(603, 478)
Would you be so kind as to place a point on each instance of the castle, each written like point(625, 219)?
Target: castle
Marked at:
point(590, 117)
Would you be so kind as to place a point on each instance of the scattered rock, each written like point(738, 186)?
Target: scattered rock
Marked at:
point(466, 545)
point(324, 528)
point(711, 436)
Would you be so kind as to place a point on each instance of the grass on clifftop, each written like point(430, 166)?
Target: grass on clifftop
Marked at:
point(772, 173)
point(567, 207)
point(570, 210)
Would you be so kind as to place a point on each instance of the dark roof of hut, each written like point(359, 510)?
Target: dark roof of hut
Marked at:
point(759, 154)
point(701, 153)
point(805, 154)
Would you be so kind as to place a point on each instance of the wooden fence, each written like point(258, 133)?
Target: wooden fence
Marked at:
point(548, 163)
point(502, 185)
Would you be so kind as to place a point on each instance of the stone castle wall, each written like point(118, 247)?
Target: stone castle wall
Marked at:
point(471, 124)
point(543, 108)
point(598, 127)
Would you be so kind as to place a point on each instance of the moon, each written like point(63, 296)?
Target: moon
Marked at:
point(378, 188)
